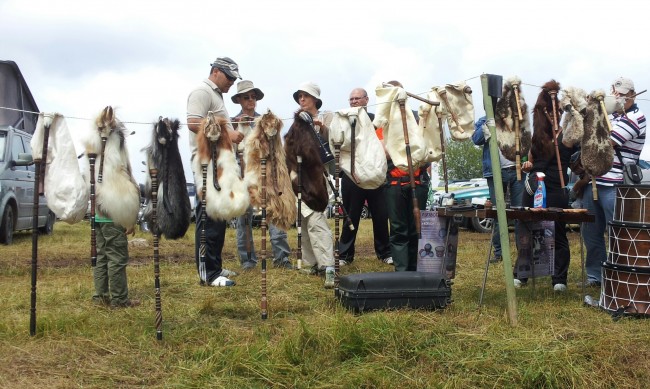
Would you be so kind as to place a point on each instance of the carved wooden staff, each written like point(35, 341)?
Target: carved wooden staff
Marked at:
point(517, 119)
point(156, 256)
point(264, 301)
point(92, 157)
point(203, 275)
point(100, 174)
point(422, 99)
point(299, 221)
point(409, 160)
point(247, 235)
point(444, 154)
point(337, 215)
point(38, 184)
point(337, 199)
point(556, 134)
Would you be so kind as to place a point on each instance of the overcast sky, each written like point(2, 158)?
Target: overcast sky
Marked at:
point(144, 57)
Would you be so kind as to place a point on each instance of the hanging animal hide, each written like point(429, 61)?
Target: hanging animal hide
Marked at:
point(116, 191)
point(507, 121)
point(264, 142)
point(226, 193)
point(597, 153)
point(173, 210)
point(299, 141)
point(389, 117)
point(542, 143)
point(457, 99)
point(369, 158)
point(64, 185)
point(431, 119)
point(574, 104)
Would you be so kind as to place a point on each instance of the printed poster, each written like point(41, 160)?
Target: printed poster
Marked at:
point(536, 256)
point(437, 249)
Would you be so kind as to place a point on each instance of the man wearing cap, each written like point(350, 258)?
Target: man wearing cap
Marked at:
point(317, 243)
point(209, 97)
point(628, 138)
point(353, 199)
point(247, 96)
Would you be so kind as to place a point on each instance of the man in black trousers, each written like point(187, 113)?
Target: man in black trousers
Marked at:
point(353, 201)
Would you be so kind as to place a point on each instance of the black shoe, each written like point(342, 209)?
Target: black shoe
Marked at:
point(248, 265)
point(496, 259)
point(283, 263)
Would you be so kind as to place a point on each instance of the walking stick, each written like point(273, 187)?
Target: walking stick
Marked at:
point(156, 257)
point(556, 133)
point(353, 124)
point(517, 120)
point(409, 160)
point(93, 232)
point(337, 219)
point(299, 222)
point(40, 177)
point(337, 199)
point(203, 273)
point(100, 174)
point(264, 301)
point(247, 235)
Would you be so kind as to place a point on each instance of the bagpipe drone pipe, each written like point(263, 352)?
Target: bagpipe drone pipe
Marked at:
point(173, 211)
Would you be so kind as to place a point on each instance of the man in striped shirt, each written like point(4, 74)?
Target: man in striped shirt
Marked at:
point(628, 137)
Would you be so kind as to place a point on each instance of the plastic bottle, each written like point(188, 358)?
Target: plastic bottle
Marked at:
point(539, 199)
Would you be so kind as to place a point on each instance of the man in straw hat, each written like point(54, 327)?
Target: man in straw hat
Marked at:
point(205, 98)
point(628, 138)
point(247, 96)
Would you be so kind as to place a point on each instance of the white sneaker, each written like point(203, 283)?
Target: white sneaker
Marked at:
point(227, 273)
point(222, 281)
point(559, 287)
point(388, 261)
point(518, 283)
point(343, 262)
point(329, 278)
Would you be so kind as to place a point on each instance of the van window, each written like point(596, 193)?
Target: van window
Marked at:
point(28, 150)
point(3, 144)
point(17, 148)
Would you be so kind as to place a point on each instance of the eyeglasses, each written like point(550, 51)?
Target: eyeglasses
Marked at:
point(231, 79)
point(249, 97)
point(357, 98)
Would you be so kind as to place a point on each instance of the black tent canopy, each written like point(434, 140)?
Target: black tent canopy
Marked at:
point(14, 93)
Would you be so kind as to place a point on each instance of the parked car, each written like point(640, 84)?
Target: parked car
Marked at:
point(144, 226)
point(17, 175)
point(467, 196)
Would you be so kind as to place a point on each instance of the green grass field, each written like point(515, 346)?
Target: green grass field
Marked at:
point(215, 338)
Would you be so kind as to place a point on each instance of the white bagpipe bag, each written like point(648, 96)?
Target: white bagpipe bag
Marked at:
point(389, 117)
point(65, 188)
point(460, 109)
point(369, 158)
point(431, 126)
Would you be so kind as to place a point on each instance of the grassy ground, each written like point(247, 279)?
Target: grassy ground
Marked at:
point(214, 337)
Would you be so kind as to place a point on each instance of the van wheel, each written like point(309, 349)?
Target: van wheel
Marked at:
point(483, 225)
point(48, 228)
point(7, 226)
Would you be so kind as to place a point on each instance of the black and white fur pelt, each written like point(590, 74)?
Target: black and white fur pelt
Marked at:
point(173, 211)
point(506, 113)
point(118, 194)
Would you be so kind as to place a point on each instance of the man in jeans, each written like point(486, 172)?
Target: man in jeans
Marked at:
point(628, 138)
point(247, 96)
point(481, 137)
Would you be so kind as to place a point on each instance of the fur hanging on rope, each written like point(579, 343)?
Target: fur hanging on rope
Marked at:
point(508, 123)
point(264, 142)
point(597, 153)
point(542, 142)
point(226, 193)
point(117, 193)
point(173, 211)
point(299, 141)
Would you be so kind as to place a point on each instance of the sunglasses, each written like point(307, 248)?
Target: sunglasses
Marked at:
point(249, 97)
point(231, 79)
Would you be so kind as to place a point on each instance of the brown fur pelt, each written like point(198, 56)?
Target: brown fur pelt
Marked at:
point(173, 211)
point(264, 141)
point(231, 198)
point(300, 142)
point(117, 195)
point(507, 119)
point(597, 153)
point(542, 143)
point(574, 103)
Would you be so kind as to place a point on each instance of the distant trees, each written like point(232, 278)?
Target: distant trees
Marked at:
point(463, 160)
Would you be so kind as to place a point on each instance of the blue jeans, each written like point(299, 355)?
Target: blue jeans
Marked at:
point(509, 180)
point(594, 233)
point(278, 237)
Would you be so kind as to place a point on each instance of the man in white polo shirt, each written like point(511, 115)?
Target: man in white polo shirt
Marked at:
point(628, 138)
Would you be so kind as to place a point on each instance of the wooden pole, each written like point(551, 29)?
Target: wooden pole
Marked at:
point(409, 161)
point(299, 221)
point(264, 300)
point(556, 134)
point(501, 206)
point(518, 120)
point(153, 173)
